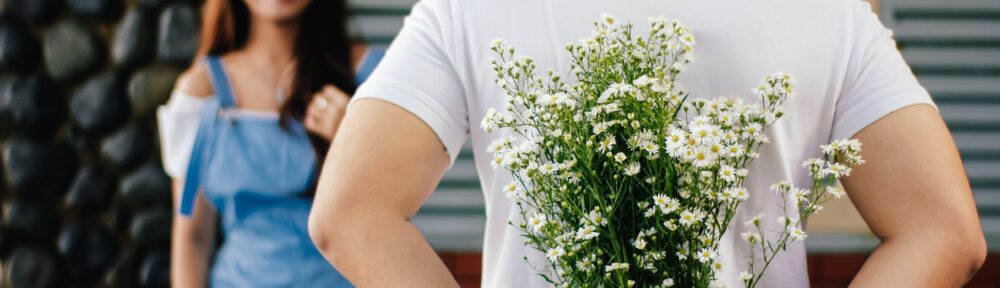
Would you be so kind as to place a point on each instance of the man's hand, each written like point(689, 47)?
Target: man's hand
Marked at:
point(914, 194)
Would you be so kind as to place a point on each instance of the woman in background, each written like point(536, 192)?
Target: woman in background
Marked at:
point(242, 136)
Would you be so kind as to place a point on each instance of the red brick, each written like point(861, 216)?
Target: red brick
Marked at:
point(468, 264)
point(448, 259)
point(983, 282)
point(468, 281)
point(839, 265)
point(991, 268)
point(811, 264)
point(829, 283)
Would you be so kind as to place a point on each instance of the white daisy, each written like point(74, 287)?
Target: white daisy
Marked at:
point(632, 169)
point(799, 195)
point(728, 173)
point(797, 233)
point(639, 244)
point(670, 224)
point(606, 144)
point(755, 221)
point(670, 206)
point(676, 140)
point(717, 266)
point(660, 199)
point(548, 168)
point(734, 151)
point(643, 81)
point(554, 253)
point(837, 170)
point(596, 218)
point(537, 222)
point(750, 237)
point(835, 192)
point(702, 157)
point(651, 148)
point(587, 232)
point(489, 121)
point(650, 212)
point(620, 157)
point(738, 193)
point(616, 266)
point(689, 218)
point(511, 190)
point(781, 187)
point(705, 255)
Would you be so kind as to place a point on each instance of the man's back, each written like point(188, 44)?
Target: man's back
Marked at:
point(847, 70)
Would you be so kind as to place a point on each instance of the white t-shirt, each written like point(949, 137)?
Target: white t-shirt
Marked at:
point(846, 65)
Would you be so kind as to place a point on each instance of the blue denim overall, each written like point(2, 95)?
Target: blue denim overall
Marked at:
point(253, 172)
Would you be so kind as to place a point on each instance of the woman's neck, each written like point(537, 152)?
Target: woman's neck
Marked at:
point(272, 42)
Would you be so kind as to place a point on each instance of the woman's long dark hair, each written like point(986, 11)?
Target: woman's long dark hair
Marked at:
point(322, 51)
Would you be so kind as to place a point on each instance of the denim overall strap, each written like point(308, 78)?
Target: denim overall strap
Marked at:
point(371, 60)
point(192, 179)
point(220, 82)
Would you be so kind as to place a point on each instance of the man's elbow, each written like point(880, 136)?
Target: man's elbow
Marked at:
point(973, 246)
point(963, 246)
point(326, 230)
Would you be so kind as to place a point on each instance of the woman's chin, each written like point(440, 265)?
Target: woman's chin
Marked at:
point(277, 10)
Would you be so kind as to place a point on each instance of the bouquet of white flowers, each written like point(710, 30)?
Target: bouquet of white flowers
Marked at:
point(622, 179)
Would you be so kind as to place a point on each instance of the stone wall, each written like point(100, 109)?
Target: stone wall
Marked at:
point(85, 200)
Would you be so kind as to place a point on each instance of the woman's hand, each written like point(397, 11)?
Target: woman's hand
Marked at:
point(325, 112)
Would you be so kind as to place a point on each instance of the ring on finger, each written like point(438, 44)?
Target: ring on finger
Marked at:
point(321, 102)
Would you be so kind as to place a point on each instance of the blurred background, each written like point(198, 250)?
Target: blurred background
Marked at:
point(86, 203)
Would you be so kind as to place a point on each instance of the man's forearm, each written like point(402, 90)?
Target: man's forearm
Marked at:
point(920, 262)
point(380, 250)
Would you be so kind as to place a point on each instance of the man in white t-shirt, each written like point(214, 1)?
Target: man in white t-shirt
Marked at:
point(435, 83)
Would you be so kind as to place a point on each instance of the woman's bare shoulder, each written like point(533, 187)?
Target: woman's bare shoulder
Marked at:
point(195, 81)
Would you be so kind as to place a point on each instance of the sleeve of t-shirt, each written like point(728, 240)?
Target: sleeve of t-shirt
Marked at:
point(878, 81)
point(418, 74)
point(178, 125)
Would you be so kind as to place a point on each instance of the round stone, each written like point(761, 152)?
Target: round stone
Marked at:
point(6, 243)
point(89, 248)
point(33, 107)
point(126, 271)
point(135, 38)
point(121, 215)
point(34, 267)
point(97, 10)
point(39, 170)
point(150, 87)
point(178, 35)
point(151, 228)
point(151, 4)
point(5, 120)
point(32, 221)
point(91, 191)
point(71, 51)
point(101, 104)
point(127, 146)
point(155, 270)
point(79, 140)
point(36, 11)
point(19, 49)
point(3, 186)
point(147, 187)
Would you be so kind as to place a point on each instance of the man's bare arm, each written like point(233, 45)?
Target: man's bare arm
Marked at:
point(915, 196)
point(382, 166)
